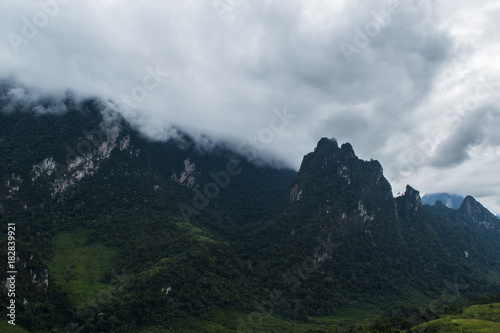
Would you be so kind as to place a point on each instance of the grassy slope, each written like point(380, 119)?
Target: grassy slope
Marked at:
point(476, 318)
point(486, 312)
point(79, 268)
point(228, 321)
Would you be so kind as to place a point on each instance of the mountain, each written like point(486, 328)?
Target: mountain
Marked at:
point(449, 200)
point(380, 248)
point(479, 215)
point(115, 232)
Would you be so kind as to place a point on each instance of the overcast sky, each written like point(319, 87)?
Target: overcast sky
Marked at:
point(413, 84)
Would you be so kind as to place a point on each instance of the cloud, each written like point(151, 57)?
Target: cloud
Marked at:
point(222, 70)
point(16, 98)
point(469, 133)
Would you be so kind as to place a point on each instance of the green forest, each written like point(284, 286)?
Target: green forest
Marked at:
point(127, 248)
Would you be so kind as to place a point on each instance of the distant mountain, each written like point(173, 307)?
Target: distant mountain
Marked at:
point(449, 200)
point(118, 233)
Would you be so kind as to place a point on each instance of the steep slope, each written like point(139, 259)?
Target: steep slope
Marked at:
point(480, 230)
point(480, 216)
point(189, 229)
point(86, 171)
point(345, 242)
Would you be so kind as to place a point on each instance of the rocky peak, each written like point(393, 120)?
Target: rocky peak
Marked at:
point(347, 150)
point(479, 214)
point(470, 201)
point(413, 195)
point(411, 200)
point(325, 150)
point(329, 157)
point(327, 144)
point(335, 179)
point(329, 161)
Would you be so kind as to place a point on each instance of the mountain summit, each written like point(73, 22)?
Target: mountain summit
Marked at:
point(337, 173)
point(479, 214)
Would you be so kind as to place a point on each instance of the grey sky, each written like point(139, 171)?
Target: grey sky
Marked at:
point(412, 83)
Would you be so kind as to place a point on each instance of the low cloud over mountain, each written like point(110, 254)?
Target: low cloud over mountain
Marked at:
point(411, 83)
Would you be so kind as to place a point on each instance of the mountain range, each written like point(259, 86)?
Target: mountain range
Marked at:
point(117, 233)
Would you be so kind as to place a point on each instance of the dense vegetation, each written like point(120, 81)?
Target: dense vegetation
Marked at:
point(127, 248)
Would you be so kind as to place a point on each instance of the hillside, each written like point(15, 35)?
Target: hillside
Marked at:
point(475, 318)
point(117, 233)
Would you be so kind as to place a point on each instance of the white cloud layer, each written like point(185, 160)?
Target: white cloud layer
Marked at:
point(412, 83)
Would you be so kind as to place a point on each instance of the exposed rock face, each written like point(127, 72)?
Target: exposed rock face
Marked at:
point(295, 193)
point(478, 214)
point(364, 214)
point(81, 165)
point(13, 184)
point(349, 189)
point(47, 166)
point(31, 272)
point(41, 280)
point(187, 177)
point(125, 143)
point(411, 199)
